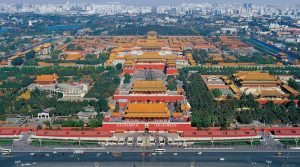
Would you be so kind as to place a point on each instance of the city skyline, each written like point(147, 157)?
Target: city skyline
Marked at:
point(156, 2)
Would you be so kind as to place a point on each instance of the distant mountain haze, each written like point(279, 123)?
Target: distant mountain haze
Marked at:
point(156, 2)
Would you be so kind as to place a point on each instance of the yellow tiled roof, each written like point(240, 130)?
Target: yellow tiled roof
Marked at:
point(289, 89)
point(272, 92)
point(254, 76)
point(148, 86)
point(50, 77)
point(234, 88)
point(147, 110)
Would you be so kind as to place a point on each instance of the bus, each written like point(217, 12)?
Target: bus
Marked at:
point(5, 151)
point(159, 150)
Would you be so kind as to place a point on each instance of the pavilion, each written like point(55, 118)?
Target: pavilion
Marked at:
point(46, 79)
point(256, 79)
point(147, 112)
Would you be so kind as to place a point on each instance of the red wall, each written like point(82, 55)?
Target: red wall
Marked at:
point(139, 98)
point(122, 127)
point(128, 70)
point(44, 82)
point(171, 71)
point(151, 126)
point(157, 66)
point(188, 131)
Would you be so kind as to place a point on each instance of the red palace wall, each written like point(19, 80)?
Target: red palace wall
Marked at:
point(128, 70)
point(112, 127)
point(45, 82)
point(122, 104)
point(140, 98)
point(171, 71)
point(156, 66)
point(185, 130)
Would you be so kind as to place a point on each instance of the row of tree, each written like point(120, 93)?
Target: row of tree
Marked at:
point(277, 70)
point(207, 112)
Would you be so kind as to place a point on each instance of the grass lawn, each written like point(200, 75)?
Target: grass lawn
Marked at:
point(6, 141)
point(289, 141)
point(59, 142)
point(89, 143)
point(228, 142)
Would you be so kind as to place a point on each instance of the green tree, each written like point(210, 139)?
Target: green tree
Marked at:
point(30, 55)
point(119, 66)
point(127, 78)
point(71, 47)
point(245, 117)
point(17, 61)
point(172, 85)
point(292, 83)
point(68, 40)
point(292, 97)
point(94, 123)
point(216, 93)
point(103, 105)
point(116, 80)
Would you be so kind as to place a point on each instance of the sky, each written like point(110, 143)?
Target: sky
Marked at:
point(156, 2)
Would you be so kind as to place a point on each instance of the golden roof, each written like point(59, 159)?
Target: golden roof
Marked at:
point(66, 64)
point(116, 114)
point(128, 63)
point(254, 76)
point(290, 89)
point(268, 93)
point(42, 46)
point(50, 77)
point(73, 56)
point(153, 110)
point(177, 114)
point(150, 55)
point(147, 107)
point(44, 64)
point(185, 107)
point(234, 88)
point(148, 85)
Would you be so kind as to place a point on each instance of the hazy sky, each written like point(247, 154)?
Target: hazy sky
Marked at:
point(155, 2)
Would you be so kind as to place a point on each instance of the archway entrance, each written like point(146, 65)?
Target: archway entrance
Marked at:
point(146, 128)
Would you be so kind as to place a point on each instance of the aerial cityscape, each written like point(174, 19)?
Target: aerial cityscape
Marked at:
point(183, 84)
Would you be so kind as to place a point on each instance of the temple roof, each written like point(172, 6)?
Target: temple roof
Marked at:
point(148, 85)
point(51, 77)
point(234, 88)
point(268, 93)
point(290, 89)
point(150, 55)
point(153, 110)
point(74, 55)
point(254, 76)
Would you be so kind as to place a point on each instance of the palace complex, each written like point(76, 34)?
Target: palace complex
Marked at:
point(154, 52)
point(256, 79)
point(262, 85)
point(150, 98)
point(147, 100)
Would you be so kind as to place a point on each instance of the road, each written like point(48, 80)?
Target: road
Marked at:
point(30, 148)
point(268, 145)
point(129, 159)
